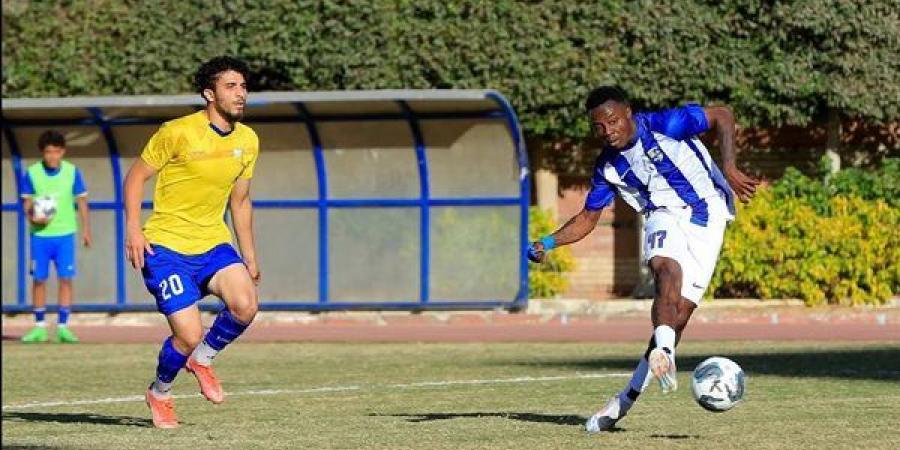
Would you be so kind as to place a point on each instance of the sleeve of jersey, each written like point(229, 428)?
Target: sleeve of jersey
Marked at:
point(159, 149)
point(27, 186)
point(79, 188)
point(601, 193)
point(680, 123)
point(250, 164)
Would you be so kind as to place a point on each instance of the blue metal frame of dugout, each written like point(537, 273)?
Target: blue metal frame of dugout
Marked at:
point(323, 203)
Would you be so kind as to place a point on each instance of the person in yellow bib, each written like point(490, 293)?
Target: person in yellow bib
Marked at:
point(203, 163)
point(59, 185)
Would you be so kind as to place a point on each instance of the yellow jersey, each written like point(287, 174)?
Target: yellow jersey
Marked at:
point(197, 170)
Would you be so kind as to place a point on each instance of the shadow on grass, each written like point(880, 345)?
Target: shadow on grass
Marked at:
point(569, 420)
point(16, 416)
point(676, 437)
point(864, 364)
point(27, 447)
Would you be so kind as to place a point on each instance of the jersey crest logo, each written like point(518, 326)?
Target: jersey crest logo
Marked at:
point(656, 154)
point(237, 153)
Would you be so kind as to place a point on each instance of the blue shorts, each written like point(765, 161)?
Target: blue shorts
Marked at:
point(59, 249)
point(178, 281)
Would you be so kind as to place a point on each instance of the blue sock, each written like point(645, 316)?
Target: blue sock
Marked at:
point(170, 362)
point(63, 315)
point(39, 314)
point(224, 330)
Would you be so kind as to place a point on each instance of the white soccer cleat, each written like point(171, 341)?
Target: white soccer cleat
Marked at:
point(606, 418)
point(662, 366)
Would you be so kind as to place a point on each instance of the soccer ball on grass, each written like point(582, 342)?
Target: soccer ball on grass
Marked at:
point(718, 384)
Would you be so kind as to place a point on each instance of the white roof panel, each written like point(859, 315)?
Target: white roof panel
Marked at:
point(256, 98)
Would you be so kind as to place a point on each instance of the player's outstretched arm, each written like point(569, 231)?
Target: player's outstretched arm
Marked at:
point(574, 230)
point(135, 242)
point(242, 216)
point(722, 120)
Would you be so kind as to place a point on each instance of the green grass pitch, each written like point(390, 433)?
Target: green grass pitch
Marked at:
point(449, 396)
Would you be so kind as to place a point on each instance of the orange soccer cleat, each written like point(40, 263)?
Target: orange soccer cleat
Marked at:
point(163, 410)
point(209, 384)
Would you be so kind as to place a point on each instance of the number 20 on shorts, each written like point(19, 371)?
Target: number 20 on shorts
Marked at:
point(171, 286)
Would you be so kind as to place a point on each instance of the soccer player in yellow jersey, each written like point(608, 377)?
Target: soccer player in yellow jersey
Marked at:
point(203, 162)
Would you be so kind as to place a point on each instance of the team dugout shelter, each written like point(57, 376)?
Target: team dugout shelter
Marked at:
point(387, 199)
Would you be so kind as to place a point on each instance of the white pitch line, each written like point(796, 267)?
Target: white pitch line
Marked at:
point(508, 380)
point(140, 398)
point(262, 392)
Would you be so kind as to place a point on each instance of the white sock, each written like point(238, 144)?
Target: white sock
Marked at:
point(42, 324)
point(204, 354)
point(161, 388)
point(665, 338)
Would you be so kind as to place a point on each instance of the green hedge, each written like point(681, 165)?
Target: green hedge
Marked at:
point(548, 279)
point(883, 184)
point(775, 62)
point(825, 242)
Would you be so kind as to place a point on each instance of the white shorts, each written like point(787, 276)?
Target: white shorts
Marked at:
point(670, 233)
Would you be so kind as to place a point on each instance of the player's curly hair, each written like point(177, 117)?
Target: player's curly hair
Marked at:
point(604, 94)
point(206, 75)
point(51, 137)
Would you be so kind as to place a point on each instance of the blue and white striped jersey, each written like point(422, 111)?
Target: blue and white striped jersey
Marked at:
point(665, 167)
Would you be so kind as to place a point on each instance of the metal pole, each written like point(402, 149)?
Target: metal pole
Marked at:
point(645, 287)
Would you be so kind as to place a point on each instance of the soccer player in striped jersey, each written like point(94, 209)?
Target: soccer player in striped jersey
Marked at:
point(203, 162)
point(656, 163)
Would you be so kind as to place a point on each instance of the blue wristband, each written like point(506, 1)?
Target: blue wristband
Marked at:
point(549, 243)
